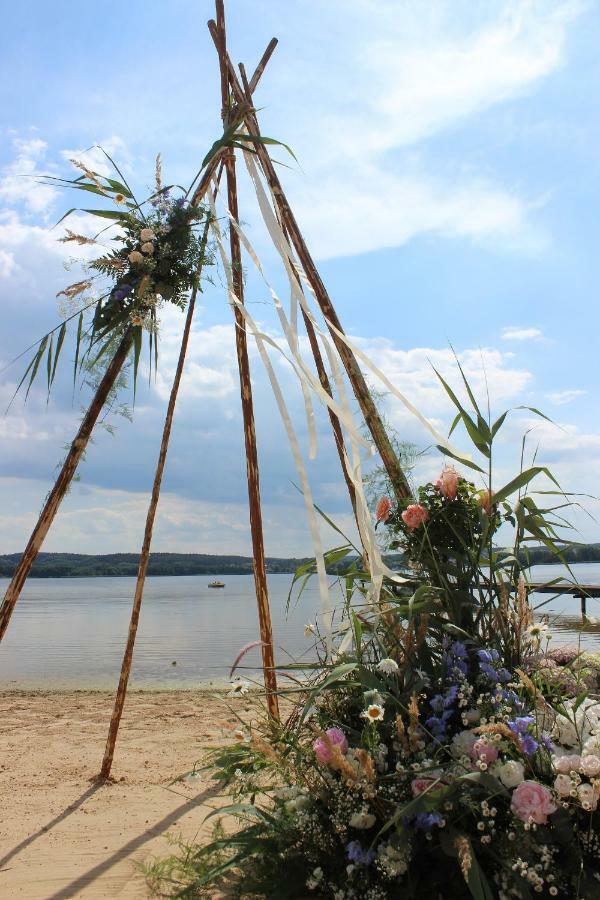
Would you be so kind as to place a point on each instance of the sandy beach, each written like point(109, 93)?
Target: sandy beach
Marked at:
point(63, 834)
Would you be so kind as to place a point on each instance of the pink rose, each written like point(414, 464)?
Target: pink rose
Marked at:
point(414, 516)
point(532, 802)
point(418, 785)
point(590, 765)
point(566, 764)
point(447, 483)
point(484, 751)
point(384, 508)
point(322, 748)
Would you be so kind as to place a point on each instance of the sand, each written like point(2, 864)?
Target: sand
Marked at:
point(63, 834)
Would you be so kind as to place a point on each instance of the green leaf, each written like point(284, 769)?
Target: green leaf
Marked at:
point(36, 363)
point(472, 430)
point(106, 213)
point(521, 480)
point(77, 346)
point(498, 424)
point(464, 462)
point(59, 343)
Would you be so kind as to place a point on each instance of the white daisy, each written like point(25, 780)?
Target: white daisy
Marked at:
point(373, 713)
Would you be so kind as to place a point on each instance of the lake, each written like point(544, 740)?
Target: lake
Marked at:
point(70, 632)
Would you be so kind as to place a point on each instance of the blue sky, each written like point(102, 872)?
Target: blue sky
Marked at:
point(448, 187)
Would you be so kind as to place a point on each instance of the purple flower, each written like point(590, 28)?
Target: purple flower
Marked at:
point(426, 821)
point(459, 650)
point(548, 744)
point(357, 855)
point(528, 744)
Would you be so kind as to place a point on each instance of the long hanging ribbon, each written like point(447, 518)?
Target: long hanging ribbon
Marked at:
point(261, 338)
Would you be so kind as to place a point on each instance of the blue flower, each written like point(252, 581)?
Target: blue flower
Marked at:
point(459, 650)
point(548, 744)
point(356, 854)
point(451, 696)
point(528, 744)
point(437, 703)
point(426, 821)
point(521, 724)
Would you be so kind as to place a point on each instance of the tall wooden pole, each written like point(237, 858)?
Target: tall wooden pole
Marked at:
point(353, 371)
point(63, 481)
point(150, 518)
point(256, 526)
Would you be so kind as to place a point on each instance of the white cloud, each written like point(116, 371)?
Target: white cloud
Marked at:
point(18, 182)
point(96, 160)
point(408, 75)
point(559, 398)
point(516, 333)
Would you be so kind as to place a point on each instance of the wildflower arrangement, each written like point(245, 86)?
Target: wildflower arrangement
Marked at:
point(427, 759)
point(150, 253)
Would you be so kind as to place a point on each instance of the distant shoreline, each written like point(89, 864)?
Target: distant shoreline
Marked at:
point(119, 565)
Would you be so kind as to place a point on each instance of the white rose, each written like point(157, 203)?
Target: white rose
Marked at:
point(562, 785)
point(472, 716)
point(565, 731)
point(511, 773)
point(589, 765)
point(135, 257)
point(587, 796)
point(362, 820)
point(146, 234)
point(592, 745)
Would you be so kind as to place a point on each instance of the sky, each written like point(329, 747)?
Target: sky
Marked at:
point(447, 184)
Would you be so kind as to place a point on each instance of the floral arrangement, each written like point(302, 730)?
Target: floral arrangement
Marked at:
point(428, 759)
point(153, 255)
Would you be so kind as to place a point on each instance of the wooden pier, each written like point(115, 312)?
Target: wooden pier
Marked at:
point(582, 591)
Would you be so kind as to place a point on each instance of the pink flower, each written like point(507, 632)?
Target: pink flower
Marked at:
point(486, 501)
point(447, 483)
point(484, 751)
point(414, 516)
point(418, 785)
point(322, 748)
point(532, 802)
point(566, 764)
point(384, 508)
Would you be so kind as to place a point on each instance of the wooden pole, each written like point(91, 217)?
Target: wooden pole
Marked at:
point(256, 527)
point(78, 448)
point(353, 371)
point(62, 482)
point(150, 517)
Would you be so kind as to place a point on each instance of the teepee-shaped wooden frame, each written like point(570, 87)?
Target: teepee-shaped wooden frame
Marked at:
point(237, 106)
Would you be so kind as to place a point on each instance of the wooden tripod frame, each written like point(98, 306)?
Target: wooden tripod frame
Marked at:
point(236, 96)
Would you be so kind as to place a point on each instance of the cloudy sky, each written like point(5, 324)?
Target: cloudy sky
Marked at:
point(447, 185)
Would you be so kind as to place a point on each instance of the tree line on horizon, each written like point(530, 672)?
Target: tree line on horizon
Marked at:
point(81, 565)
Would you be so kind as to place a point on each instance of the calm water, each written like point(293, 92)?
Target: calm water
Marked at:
point(71, 631)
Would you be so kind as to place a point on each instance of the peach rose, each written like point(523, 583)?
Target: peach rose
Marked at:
point(384, 508)
point(414, 516)
point(532, 802)
point(447, 483)
point(486, 501)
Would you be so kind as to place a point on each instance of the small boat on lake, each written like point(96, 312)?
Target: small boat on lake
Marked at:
point(217, 584)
